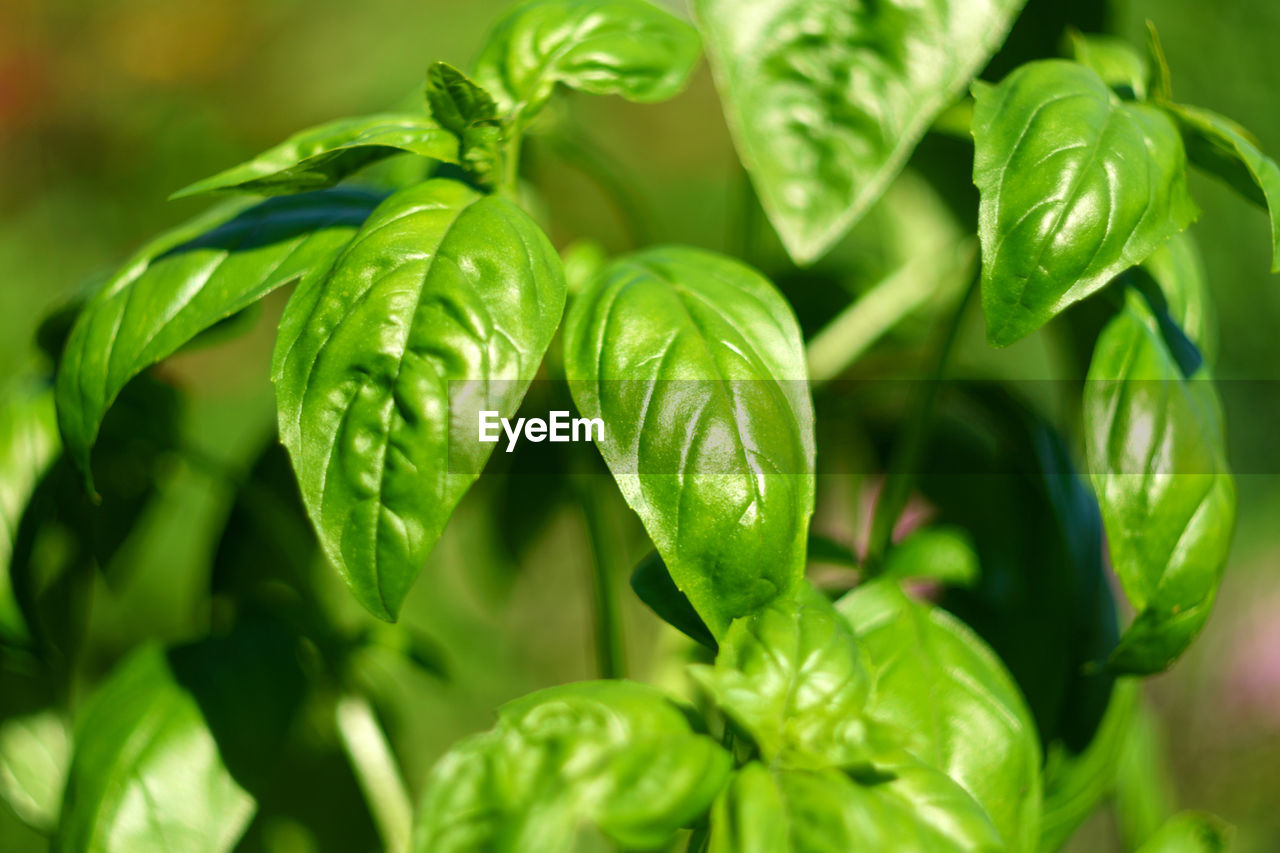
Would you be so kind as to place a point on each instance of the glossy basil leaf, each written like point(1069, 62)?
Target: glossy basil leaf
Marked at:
point(167, 753)
point(910, 807)
point(469, 113)
point(826, 100)
point(570, 765)
point(630, 48)
point(1191, 832)
point(793, 678)
point(28, 446)
point(441, 307)
point(35, 750)
point(936, 682)
point(653, 585)
point(186, 281)
point(1076, 186)
point(321, 156)
point(1226, 150)
point(942, 554)
point(695, 364)
point(1158, 464)
point(1076, 782)
point(1120, 66)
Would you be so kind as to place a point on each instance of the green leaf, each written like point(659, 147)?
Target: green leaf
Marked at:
point(469, 113)
point(653, 585)
point(793, 678)
point(958, 708)
point(826, 100)
point(910, 808)
point(1122, 67)
point(1226, 150)
point(1076, 186)
point(942, 554)
point(1191, 832)
point(630, 48)
point(441, 307)
point(168, 752)
point(1177, 268)
point(186, 281)
point(321, 156)
point(571, 763)
point(1076, 782)
point(695, 364)
point(1001, 473)
point(28, 446)
point(35, 750)
point(1158, 463)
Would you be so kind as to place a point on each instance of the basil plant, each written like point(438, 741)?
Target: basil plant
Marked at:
point(958, 677)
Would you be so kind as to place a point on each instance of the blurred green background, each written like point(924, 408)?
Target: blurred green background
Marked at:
point(107, 106)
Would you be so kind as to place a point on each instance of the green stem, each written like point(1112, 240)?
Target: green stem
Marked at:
point(907, 454)
point(509, 185)
point(611, 658)
point(855, 329)
point(376, 771)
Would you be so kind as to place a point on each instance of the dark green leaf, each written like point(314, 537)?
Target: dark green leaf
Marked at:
point(912, 808)
point(826, 100)
point(1191, 832)
point(35, 750)
point(470, 114)
point(1120, 66)
point(942, 554)
point(1177, 269)
point(322, 156)
point(186, 281)
point(696, 366)
point(792, 677)
point(1075, 783)
point(653, 585)
point(1223, 148)
point(604, 47)
point(441, 307)
point(28, 446)
point(1076, 186)
point(1159, 467)
point(570, 764)
point(938, 684)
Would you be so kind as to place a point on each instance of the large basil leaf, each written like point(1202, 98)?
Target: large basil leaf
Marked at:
point(167, 753)
point(826, 100)
point(1223, 148)
point(322, 156)
point(441, 307)
point(605, 47)
point(1190, 832)
point(28, 446)
point(186, 281)
point(1076, 186)
point(696, 366)
point(792, 677)
point(956, 705)
point(35, 750)
point(909, 807)
point(1158, 462)
point(570, 765)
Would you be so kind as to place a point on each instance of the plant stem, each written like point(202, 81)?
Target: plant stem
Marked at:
point(611, 659)
point(906, 455)
point(376, 771)
point(855, 329)
point(509, 185)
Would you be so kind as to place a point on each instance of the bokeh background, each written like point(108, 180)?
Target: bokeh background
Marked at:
point(107, 106)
